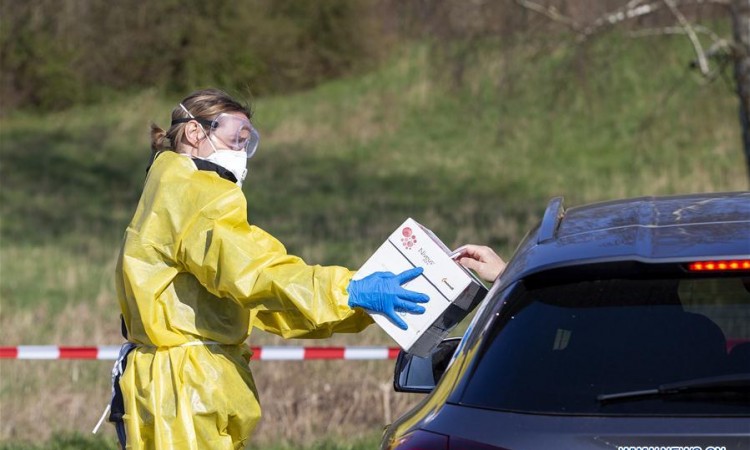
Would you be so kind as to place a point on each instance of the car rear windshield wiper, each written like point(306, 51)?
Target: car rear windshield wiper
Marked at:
point(722, 384)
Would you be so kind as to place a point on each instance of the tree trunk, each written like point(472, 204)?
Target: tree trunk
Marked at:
point(741, 24)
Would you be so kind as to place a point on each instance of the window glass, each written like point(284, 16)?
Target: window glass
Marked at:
point(555, 349)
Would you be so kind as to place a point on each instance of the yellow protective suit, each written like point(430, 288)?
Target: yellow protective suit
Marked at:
point(193, 270)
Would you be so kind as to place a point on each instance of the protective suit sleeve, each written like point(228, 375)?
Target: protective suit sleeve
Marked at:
point(233, 259)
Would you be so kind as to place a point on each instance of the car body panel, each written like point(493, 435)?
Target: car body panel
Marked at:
point(530, 431)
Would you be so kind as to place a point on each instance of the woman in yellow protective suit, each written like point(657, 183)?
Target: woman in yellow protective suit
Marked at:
point(194, 276)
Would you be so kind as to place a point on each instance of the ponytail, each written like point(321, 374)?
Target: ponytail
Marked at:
point(159, 140)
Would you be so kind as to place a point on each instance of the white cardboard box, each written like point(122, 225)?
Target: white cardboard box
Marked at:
point(454, 291)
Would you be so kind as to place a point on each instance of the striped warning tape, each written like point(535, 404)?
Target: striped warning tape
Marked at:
point(265, 353)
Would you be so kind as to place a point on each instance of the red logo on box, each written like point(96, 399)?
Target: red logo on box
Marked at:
point(409, 239)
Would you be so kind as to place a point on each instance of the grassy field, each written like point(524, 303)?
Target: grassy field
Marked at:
point(474, 157)
point(75, 441)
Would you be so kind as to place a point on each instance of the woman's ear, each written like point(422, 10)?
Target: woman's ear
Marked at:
point(193, 133)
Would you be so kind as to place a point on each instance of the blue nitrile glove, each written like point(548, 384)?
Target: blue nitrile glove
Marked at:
point(382, 292)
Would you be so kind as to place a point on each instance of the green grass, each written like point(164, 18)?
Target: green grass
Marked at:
point(341, 164)
point(329, 444)
point(66, 442)
point(76, 441)
point(474, 157)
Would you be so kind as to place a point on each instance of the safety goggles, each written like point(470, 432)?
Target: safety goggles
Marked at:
point(233, 132)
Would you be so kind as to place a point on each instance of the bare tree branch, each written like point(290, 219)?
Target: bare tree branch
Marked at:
point(638, 8)
point(632, 9)
point(550, 12)
point(719, 46)
point(702, 62)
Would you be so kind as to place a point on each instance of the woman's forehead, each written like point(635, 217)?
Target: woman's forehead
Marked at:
point(235, 121)
point(239, 114)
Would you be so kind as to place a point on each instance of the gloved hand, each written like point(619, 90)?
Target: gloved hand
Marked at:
point(382, 292)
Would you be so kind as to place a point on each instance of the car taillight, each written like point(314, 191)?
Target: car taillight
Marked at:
point(420, 440)
point(719, 266)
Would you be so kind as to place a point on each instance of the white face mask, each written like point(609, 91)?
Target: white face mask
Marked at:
point(233, 160)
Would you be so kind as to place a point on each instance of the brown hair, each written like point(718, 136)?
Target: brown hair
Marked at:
point(205, 104)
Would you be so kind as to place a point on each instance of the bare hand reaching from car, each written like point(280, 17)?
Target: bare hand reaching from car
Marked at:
point(482, 260)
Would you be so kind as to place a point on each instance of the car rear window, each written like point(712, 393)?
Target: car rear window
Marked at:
point(556, 349)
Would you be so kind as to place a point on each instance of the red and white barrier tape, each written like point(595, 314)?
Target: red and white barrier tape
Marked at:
point(265, 353)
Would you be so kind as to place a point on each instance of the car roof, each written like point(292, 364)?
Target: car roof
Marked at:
point(645, 229)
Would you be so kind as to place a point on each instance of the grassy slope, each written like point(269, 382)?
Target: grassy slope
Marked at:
point(339, 167)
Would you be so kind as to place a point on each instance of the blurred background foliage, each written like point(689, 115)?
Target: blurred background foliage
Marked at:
point(467, 115)
point(58, 53)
